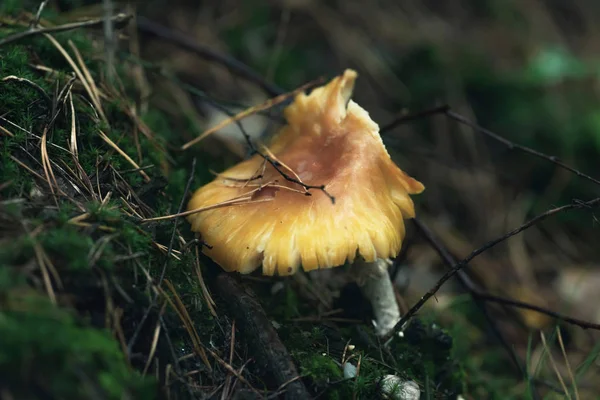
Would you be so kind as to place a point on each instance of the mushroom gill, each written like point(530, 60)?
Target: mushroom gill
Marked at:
point(328, 140)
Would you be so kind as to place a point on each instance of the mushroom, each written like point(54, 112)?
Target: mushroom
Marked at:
point(285, 224)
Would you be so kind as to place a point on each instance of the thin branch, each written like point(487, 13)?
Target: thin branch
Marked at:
point(447, 111)
point(288, 178)
point(36, 20)
point(282, 29)
point(481, 297)
point(473, 289)
point(253, 150)
point(519, 304)
point(117, 20)
point(462, 264)
point(403, 117)
point(514, 146)
point(176, 222)
point(150, 27)
point(270, 103)
point(274, 163)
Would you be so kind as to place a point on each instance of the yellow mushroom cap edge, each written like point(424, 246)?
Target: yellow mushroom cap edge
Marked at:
point(328, 140)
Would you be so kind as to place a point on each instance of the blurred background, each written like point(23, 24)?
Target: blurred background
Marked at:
point(527, 70)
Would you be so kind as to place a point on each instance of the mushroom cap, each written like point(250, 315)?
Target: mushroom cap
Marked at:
point(328, 140)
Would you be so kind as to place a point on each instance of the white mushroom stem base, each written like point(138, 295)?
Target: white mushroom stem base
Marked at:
point(396, 388)
point(376, 285)
point(391, 387)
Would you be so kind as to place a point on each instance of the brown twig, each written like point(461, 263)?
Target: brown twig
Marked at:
point(260, 336)
point(481, 297)
point(403, 117)
point(268, 104)
point(117, 19)
point(36, 19)
point(450, 261)
point(447, 111)
point(520, 304)
point(511, 145)
point(241, 70)
point(469, 285)
point(274, 163)
point(462, 264)
point(183, 41)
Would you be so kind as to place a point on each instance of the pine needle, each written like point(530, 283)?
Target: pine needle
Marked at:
point(91, 93)
point(73, 141)
point(210, 303)
point(48, 172)
point(125, 156)
point(245, 199)
point(569, 369)
point(249, 111)
point(183, 314)
point(554, 367)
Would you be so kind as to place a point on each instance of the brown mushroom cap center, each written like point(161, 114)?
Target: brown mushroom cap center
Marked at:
point(327, 158)
point(328, 141)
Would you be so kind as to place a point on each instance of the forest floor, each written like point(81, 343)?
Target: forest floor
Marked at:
point(105, 294)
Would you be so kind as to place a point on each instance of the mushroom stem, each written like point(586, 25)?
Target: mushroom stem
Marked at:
point(395, 388)
point(391, 387)
point(376, 285)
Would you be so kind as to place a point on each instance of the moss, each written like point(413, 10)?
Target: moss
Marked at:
point(12, 173)
point(309, 350)
point(319, 367)
point(17, 253)
point(56, 241)
point(109, 213)
point(52, 350)
point(134, 238)
point(319, 360)
point(47, 353)
point(423, 355)
point(24, 106)
point(11, 7)
point(159, 124)
point(46, 51)
point(24, 103)
point(57, 351)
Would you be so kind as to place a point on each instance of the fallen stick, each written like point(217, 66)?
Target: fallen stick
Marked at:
point(259, 335)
